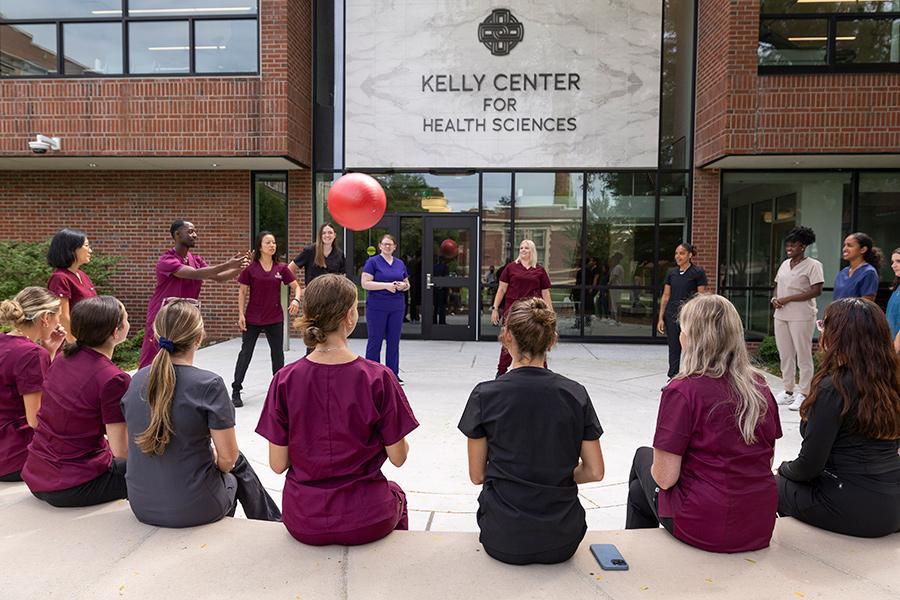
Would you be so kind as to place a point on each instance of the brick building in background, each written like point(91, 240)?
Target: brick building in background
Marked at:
point(238, 114)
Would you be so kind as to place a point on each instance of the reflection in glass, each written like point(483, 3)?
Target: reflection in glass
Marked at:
point(410, 251)
point(427, 193)
point(835, 6)
point(365, 244)
point(879, 216)
point(793, 42)
point(159, 47)
point(225, 46)
point(672, 224)
point(92, 48)
point(451, 257)
point(676, 103)
point(874, 41)
point(496, 199)
point(270, 208)
point(157, 8)
point(549, 212)
point(59, 9)
point(27, 50)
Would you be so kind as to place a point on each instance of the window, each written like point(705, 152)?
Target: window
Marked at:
point(879, 216)
point(829, 36)
point(53, 38)
point(270, 209)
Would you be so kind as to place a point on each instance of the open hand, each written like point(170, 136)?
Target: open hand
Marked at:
point(242, 322)
point(293, 309)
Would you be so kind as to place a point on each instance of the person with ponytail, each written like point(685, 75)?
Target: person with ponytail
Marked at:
point(77, 456)
point(173, 409)
point(846, 478)
point(332, 419)
point(25, 355)
point(533, 437)
point(859, 279)
point(708, 478)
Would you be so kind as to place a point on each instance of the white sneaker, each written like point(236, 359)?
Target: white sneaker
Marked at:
point(798, 400)
point(784, 397)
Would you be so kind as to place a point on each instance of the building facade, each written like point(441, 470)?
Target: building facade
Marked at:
point(606, 133)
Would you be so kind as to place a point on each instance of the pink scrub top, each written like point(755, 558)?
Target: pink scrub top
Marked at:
point(335, 421)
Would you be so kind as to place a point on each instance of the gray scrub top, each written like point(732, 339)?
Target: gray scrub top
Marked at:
point(181, 487)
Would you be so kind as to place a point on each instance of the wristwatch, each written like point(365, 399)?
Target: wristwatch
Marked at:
point(297, 300)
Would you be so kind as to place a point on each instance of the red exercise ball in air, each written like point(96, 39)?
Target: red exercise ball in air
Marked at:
point(356, 201)
point(449, 249)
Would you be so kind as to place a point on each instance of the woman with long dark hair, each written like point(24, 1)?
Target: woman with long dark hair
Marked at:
point(174, 410)
point(25, 355)
point(529, 510)
point(893, 307)
point(332, 419)
point(859, 279)
point(262, 281)
point(683, 281)
point(77, 456)
point(847, 476)
point(69, 251)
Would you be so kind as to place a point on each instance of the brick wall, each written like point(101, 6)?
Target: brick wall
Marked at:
point(128, 214)
point(260, 115)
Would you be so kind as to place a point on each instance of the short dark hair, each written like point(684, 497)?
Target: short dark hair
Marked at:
point(802, 235)
point(176, 225)
point(63, 246)
point(93, 320)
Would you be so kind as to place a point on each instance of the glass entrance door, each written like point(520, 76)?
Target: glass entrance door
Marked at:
point(449, 277)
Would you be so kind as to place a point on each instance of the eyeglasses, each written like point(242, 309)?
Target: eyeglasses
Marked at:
point(174, 299)
point(820, 325)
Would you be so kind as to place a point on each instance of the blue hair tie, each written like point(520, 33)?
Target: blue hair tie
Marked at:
point(166, 344)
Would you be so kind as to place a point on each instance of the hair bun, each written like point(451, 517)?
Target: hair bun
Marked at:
point(11, 312)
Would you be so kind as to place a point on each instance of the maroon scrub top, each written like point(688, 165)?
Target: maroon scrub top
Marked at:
point(264, 307)
point(336, 421)
point(81, 396)
point(66, 284)
point(23, 365)
point(523, 283)
point(725, 498)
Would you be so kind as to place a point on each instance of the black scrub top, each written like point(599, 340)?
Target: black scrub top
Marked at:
point(683, 286)
point(534, 421)
point(334, 263)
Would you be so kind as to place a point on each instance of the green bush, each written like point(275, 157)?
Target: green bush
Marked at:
point(25, 264)
point(128, 353)
point(767, 355)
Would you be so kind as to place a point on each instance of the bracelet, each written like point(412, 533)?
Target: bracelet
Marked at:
point(297, 300)
point(494, 308)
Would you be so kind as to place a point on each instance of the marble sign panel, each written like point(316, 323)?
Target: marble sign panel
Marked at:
point(525, 83)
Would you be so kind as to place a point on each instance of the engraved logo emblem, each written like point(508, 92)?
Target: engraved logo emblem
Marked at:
point(500, 32)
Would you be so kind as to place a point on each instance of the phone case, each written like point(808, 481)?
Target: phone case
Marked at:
point(608, 557)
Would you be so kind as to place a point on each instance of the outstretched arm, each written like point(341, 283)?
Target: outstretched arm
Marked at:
point(220, 272)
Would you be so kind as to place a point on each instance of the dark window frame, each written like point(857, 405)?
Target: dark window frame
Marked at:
point(830, 66)
point(125, 19)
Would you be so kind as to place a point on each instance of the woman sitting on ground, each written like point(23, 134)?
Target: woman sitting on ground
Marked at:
point(527, 431)
point(77, 457)
point(332, 419)
point(847, 476)
point(175, 478)
point(25, 355)
point(708, 478)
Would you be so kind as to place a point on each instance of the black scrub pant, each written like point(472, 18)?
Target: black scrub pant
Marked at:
point(642, 510)
point(549, 557)
point(839, 505)
point(673, 333)
point(107, 487)
point(275, 337)
point(14, 476)
point(254, 498)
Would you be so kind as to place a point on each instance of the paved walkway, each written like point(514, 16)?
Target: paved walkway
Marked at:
point(623, 380)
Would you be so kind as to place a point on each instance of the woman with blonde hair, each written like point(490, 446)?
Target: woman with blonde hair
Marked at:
point(542, 436)
point(708, 478)
point(524, 278)
point(25, 355)
point(846, 478)
point(77, 456)
point(332, 419)
point(173, 409)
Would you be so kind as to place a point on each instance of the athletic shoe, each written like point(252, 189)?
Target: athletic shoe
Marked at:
point(785, 397)
point(798, 400)
point(236, 398)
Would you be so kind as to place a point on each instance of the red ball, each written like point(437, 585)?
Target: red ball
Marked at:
point(449, 249)
point(356, 201)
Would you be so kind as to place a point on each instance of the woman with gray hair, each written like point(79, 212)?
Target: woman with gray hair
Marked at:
point(708, 478)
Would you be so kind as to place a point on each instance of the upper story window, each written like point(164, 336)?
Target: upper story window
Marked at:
point(829, 36)
point(66, 38)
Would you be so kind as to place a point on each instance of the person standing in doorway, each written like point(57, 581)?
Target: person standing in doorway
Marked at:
point(383, 276)
point(262, 281)
point(524, 278)
point(893, 307)
point(616, 278)
point(797, 285)
point(860, 278)
point(69, 251)
point(683, 281)
point(180, 274)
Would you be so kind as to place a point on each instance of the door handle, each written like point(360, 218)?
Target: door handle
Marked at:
point(428, 283)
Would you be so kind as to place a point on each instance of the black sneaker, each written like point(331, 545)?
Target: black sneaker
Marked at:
point(400, 381)
point(236, 398)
